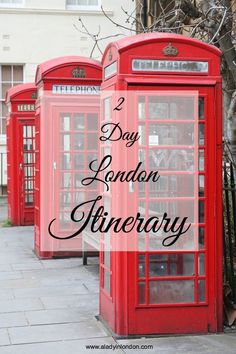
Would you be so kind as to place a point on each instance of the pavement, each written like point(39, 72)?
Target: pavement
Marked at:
point(49, 307)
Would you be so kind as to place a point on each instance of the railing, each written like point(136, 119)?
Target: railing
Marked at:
point(3, 177)
point(229, 228)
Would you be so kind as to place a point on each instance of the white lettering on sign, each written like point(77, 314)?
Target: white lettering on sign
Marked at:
point(25, 107)
point(170, 65)
point(75, 89)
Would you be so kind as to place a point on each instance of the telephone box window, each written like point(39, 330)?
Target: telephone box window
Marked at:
point(171, 291)
point(201, 290)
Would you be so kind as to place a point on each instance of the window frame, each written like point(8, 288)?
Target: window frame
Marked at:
point(9, 4)
point(84, 7)
point(13, 83)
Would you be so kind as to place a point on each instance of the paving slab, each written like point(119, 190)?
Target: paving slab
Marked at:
point(31, 265)
point(13, 319)
point(57, 316)
point(54, 332)
point(18, 283)
point(16, 305)
point(5, 267)
point(6, 294)
point(84, 302)
point(62, 347)
point(4, 338)
point(204, 344)
point(10, 275)
point(50, 291)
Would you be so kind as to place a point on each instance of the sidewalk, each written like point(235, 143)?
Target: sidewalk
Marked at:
point(49, 307)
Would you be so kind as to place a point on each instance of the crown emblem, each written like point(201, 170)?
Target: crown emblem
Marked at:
point(78, 72)
point(34, 95)
point(170, 51)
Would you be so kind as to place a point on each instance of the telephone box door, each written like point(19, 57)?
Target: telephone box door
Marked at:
point(75, 145)
point(26, 170)
point(174, 289)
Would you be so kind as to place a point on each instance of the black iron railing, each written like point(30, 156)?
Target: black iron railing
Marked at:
point(229, 227)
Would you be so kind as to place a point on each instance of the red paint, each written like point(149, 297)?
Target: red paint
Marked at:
point(20, 153)
point(119, 305)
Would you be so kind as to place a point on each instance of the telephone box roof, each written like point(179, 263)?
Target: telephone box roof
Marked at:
point(50, 65)
point(126, 43)
point(13, 92)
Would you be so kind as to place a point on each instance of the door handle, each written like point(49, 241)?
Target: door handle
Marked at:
point(20, 166)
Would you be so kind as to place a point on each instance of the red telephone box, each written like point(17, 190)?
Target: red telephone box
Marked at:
point(164, 290)
point(67, 112)
point(21, 153)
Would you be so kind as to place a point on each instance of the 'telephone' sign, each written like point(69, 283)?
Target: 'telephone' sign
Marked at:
point(184, 66)
point(76, 89)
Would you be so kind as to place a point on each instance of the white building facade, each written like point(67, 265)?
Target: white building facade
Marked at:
point(32, 31)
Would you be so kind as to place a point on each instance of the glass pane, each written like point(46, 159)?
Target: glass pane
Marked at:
point(164, 108)
point(79, 197)
point(201, 264)
point(65, 199)
point(141, 292)
point(29, 199)
point(201, 108)
point(6, 73)
point(79, 122)
point(79, 141)
point(4, 109)
point(5, 88)
point(171, 134)
point(66, 180)
point(201, 236)
point(201, 215)
point(78, 178)
point(141, 107)
point(176, 160)
point(201, 186)
point(141, 130)
point(107, 256)
point(171, 291)
point(92, 142)
point(4, 123)
point(65, 122)
point(66, 162)
point(201, 134)
point(66, 142)
point(92, 157)
point(141, 266)
point(201, 290)
point(92, 121)
point(107, 108)
point(107, 281)
point(79, 162)
point(157, 110)
point(201, 161)
point(153, 135)
point(17, 73)
point(171, 264)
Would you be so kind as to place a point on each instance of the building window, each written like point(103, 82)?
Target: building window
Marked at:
point(83, 4)
point(10, 75)
point(11, 3)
